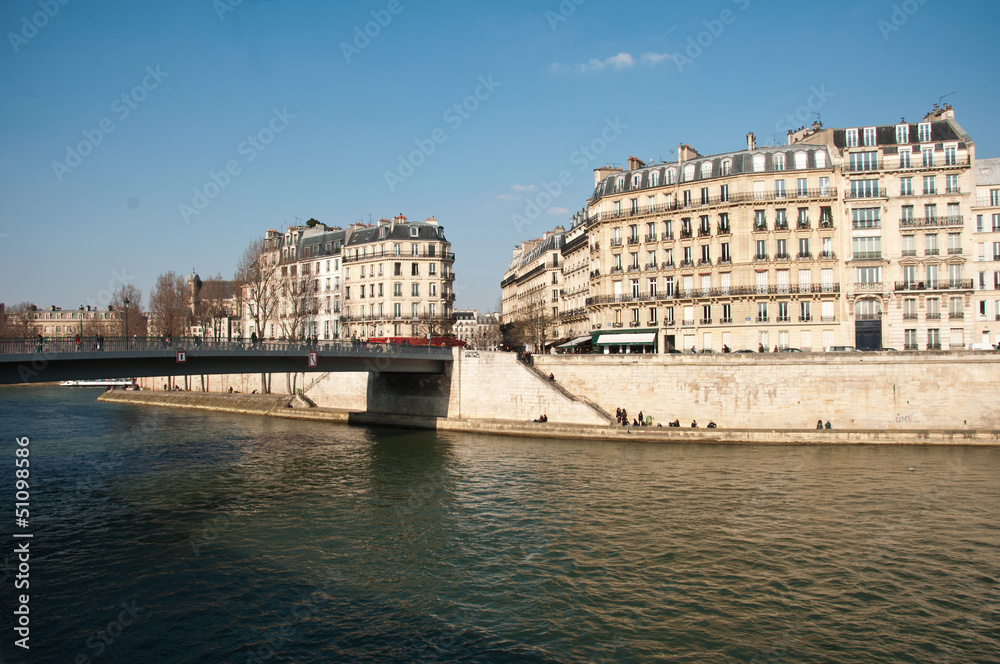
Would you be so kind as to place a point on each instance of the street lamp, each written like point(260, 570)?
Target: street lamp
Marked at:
point(126, 321)
point(81, 328)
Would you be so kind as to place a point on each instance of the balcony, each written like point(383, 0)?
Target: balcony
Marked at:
point(616, 242)
point(868, 287)
point(925, 222)
point(687, 262)
point(781, 225)
point(827, 255)
point(936, 345)
point(958, 284)
point(668, 264)
point(760, 227)
point(594, 274)
point(762, 319)
point(805, 319)
point(685, 233)
point(651, 237)
point(910, 316)
point(953, 190)
point(877, 316)
point(803, 225)
point(781, 257)
point(828, 319)
point(760, 257)
point(633, 268)
point(668, 236)
point(704, 261)
point(650, 266)
point(634, 239)
point(687, 323)
point(934, 316)
point(953, 251)
point(804, 255)
point(616, 324)
point(704, 232)
point(633, 323)
point(826, 223)
point(782, 319)
point(724, 230)
point(867, 255)
point(931, 252)
point(909, 252)
point(725, 260)
point(616, 269)
point(956, 315)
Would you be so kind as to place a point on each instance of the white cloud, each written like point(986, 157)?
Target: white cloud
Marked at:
point(521, 187)
point(557, 210)
point(615, 62)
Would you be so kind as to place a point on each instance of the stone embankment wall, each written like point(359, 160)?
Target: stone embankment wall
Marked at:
point(893, 391)
point(344, 390)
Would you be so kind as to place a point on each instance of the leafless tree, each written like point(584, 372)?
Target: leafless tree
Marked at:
point(297, 304)
point(533, 322)
point(18, 320)
point(214, 306)
point(170, 305)
point(132, 323)
point(257, 279)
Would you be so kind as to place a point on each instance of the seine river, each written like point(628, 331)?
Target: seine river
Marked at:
point(178, 536)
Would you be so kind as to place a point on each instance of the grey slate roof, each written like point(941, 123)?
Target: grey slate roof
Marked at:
point(988, 171)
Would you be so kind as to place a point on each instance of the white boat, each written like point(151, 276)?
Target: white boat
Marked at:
point(100, 382)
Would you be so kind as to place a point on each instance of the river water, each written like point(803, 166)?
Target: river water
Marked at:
point(165, 535)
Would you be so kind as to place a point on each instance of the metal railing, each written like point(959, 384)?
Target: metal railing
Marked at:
point(958, 284)
point(921, 222)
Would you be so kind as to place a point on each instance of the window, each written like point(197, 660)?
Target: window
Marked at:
point(706, 255)
point(758, 163)
point(933, 339)
point(633, 233)
point(636, 180)
point(727, 313)
point(781, 251)
point(759, 222)
point(864, 161)
point(950, 155)
point(930, 212)
point(704, 196)
point(852, 138)
point(397, 289)
point(671, 176)
point(930, 244)
point(783, 313)
point(668, 289)
point(801, 160)
point(804, 248)
point(929, 186)
point(686, 198)
point(932, 277)
point(397, 270)
point(868, 275)
point(824, 185)
point(762, 312)
point(910, 309)
point(779, 188)
point(924, 132)
point(909, 339)
point(805, 311)
point(994, 196)
point(906, 186)
point(633, 205)
point(906, 213)
point(802, 221)
point(951, 183)
point(726, 258)
point(706, 169)
point(704, 225)
point(414, 231)
point(779, 162)
point(652, 315)
point(904, 159)
point(865, 217)
point(802, 187)
point(902, 133)
point(432, 269)
point(651, 288)
point(869, 136)
point(866, 247)
point(727, 167)
point(724, 223)
point(820, 159)
point(414, 269)
point(927, 157)
point(434, 290)
point(724, 193)
point(909, 245)
point(826, 247)
point(415, 309)
point(954, 243)
point(761, 250)
point(706, 314)
point(654, 178)
point(864, 189)
point(688, 172)
point(996, 222)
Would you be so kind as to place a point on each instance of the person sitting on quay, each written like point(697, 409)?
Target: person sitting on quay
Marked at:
point(725, 349)
point(760, 348)
point(542, 418)
point(642, 420)
point(552, 378)
point(819, 424)
point(827, 426)
point(676, 423)
point(712, 425)
point(694, 424)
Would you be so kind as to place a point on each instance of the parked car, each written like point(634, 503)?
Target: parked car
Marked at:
point(751, 352)
point(841, 349)
point(706, 350)
point(791, 350)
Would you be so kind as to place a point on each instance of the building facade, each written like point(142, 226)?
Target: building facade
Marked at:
point(530, 292)
point(856, 236)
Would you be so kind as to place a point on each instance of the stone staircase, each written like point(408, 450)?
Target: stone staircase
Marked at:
point(554, 384)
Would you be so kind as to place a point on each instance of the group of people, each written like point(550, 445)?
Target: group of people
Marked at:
point(820, 425)
point(622, 416)
point(694, 424)
point(542, 418)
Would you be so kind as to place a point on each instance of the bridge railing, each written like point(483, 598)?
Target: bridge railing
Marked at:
point(49, 345)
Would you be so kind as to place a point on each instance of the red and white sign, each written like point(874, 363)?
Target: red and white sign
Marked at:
point(313, 360)
point(182, 356)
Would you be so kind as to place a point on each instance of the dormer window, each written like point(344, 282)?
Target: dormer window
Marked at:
point(758, 163)
point(706, 169)
point(924, 132)
point(801, 160)
point(902, 133)
point(414, 231)
point(619, 184)
point(820, 159)
point(654, 178)
point(779, 162)
point(383, 231)
point(852, 138)
point(869, 136)
point(688, 172)
point(636, 180)
point(727, 167)
point(671, 176)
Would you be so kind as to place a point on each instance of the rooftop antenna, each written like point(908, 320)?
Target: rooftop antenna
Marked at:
point(943, 96)
point(818, 118)
point(298, 220)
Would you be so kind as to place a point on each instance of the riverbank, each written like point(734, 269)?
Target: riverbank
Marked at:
point(280, 406)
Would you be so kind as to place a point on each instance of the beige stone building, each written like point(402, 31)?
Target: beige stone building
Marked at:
point(854, 236)
point(530, 292)
point(986, 241)
point(389, 279)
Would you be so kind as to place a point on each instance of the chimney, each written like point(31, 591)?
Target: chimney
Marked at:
point(751, 141)
point(603, 172)
point(685, 152)
point(635, 162)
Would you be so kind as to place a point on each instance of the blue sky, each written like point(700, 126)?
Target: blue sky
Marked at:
point(469, 107)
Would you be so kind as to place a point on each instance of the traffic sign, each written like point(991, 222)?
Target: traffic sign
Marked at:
point(182, 356)
point(312, 358)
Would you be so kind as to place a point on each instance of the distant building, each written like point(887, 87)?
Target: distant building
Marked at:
point(478, 331)
point(986, 241)
point(530, 293)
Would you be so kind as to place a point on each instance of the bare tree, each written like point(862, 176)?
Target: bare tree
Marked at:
point(169, 305)
point(256, 278)
point(533, 322)
point(18, 320)
point(214, 306)
point(132, 323)
point(297, 305)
